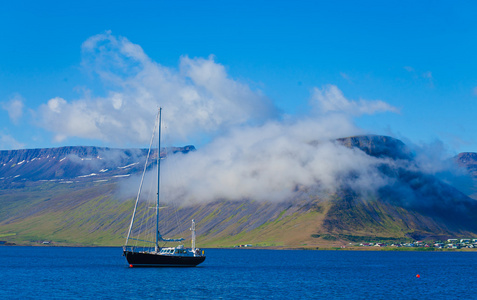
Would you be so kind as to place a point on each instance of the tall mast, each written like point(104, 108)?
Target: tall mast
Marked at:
point(158, 180)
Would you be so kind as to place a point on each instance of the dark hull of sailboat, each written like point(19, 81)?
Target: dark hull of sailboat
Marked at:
point(145, 259)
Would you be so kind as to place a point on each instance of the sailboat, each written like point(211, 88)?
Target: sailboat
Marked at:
point(155, 255)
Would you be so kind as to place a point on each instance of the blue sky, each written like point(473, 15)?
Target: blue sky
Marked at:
point(82, 73)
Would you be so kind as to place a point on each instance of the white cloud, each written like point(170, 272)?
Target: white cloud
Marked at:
point(330, 99)
point(198, 97)
point(271, 163)
point(14, 107)
point(255, 156)
point(55, 104)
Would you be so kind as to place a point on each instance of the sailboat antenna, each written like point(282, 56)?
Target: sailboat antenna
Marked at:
point(192, 228)
point(158, 178)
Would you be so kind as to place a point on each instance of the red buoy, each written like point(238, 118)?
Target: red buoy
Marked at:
point(131, 266)
point(418, 276)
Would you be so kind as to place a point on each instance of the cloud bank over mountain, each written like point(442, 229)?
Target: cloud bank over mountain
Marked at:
point(270, 163)
point(254, 151)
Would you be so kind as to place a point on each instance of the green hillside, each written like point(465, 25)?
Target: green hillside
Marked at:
point(65, 214)
point(91, 215)
point(38, 204)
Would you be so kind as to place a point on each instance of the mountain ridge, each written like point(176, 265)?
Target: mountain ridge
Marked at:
point(74, 162)
point(87, 211)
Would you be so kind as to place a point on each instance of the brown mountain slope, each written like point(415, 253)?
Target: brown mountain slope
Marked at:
point(89, 212)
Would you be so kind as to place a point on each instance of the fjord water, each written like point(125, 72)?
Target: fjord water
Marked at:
point(61, 272)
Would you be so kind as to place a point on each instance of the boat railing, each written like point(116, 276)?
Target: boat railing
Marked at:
point(129, 248)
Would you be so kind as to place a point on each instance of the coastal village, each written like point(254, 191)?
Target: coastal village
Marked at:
point(448, 244)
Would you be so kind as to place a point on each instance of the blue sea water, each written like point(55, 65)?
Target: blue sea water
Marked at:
point(102, 273)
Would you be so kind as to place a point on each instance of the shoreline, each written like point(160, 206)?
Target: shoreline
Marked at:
point(317, 248)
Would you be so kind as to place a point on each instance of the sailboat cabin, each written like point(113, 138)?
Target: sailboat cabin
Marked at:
point(179, 251)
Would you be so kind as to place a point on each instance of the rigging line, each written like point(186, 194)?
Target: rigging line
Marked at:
point(143, 217)
point(142, 180)
point(145, 229)
point(138, 231)
point(143, 213)
point(148, 219)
